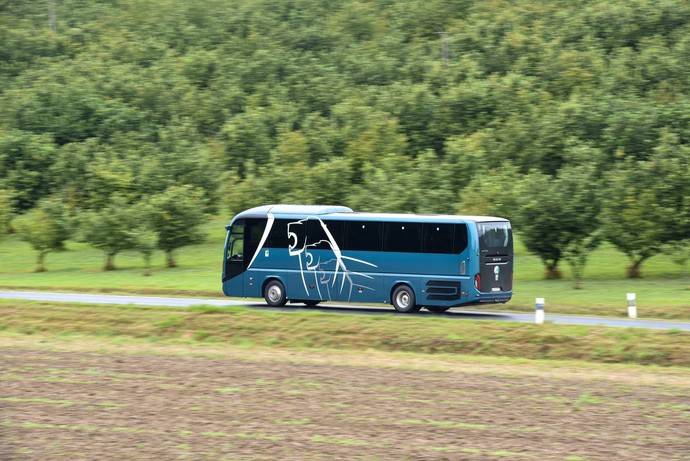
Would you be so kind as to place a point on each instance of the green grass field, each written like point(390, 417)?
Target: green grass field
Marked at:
point(664, 291)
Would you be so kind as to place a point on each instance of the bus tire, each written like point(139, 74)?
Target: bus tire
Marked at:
point(436, 309)
point(274, 293)
point(403, 299)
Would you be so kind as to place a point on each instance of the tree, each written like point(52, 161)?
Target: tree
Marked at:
point(24, 166)
point(679, 252)
point(433, 183)
point(386, 186)
point(112, 229)
point(145, 242)
point(175, 216)
point(558, 217)
point(380, 138)
point(580, 214)
point(491, 192)
point(5, 211)
point(45, 228)
point(646, 204)
point(538, 220)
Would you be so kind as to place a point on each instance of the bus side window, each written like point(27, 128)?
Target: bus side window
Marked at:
point(460, 238)
point(254, 230)
point(337, 230)
point(316, 236)
point(363, 236)
point(403, 237)
point(438, 238)
point(278, 237)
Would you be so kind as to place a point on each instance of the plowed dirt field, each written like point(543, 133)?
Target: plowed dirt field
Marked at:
point(84, 401)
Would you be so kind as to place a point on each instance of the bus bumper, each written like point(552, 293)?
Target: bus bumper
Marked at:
point(495, 298)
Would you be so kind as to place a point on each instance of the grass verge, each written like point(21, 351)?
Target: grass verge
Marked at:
point(251, 327)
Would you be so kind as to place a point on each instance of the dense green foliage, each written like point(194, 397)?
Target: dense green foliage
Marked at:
point(415, 105)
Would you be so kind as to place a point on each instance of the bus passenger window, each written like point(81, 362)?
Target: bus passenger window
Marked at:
point(254, 230)
point(363, 236)
point(403, 237)
point(337, 231)
point(316, 236)
point(460, 238)
point(438, 238)
point(278, 237)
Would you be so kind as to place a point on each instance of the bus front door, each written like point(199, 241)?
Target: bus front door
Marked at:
point(233, 280)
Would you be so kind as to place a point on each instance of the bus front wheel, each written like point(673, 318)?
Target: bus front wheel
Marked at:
point(274, 293)
point(404, 299)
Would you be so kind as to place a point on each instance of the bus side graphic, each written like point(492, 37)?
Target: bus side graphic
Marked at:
point(301, 246)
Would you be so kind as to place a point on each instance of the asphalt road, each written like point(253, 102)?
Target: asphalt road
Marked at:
point(457, 313)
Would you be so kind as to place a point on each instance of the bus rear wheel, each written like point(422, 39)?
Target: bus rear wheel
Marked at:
point(274, 293)
point(404, 300)
point(436, 309)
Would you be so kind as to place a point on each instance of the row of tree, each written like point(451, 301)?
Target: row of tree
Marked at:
point(570, 118)
point(642, 207)
point(166, 221)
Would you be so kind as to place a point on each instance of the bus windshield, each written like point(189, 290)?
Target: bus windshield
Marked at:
point(494, 235)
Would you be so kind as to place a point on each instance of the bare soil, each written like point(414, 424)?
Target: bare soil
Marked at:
point(108, 404)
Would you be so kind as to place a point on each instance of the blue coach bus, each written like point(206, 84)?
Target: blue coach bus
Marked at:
point(309, 254)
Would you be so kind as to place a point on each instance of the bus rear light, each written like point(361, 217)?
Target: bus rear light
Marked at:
point(477, 281)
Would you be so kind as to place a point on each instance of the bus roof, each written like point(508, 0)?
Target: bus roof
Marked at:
point(307, 210)
point(342, 212)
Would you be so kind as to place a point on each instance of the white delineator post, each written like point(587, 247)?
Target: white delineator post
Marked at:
point(632, 306)
point(539, 311)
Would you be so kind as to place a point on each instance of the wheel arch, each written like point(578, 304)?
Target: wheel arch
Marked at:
point(398, 283)
point(268, 279)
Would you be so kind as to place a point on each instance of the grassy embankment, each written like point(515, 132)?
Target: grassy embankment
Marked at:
point(250, 327)
point(663, 293)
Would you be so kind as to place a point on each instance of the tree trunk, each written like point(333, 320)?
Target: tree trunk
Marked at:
point(552, 272)
point(109, 262)
point(578, 282)
point(52, 16)
point(40, 263)
point(577, 267)
point(147, 266)
point(633, 271)
point(170, 259)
